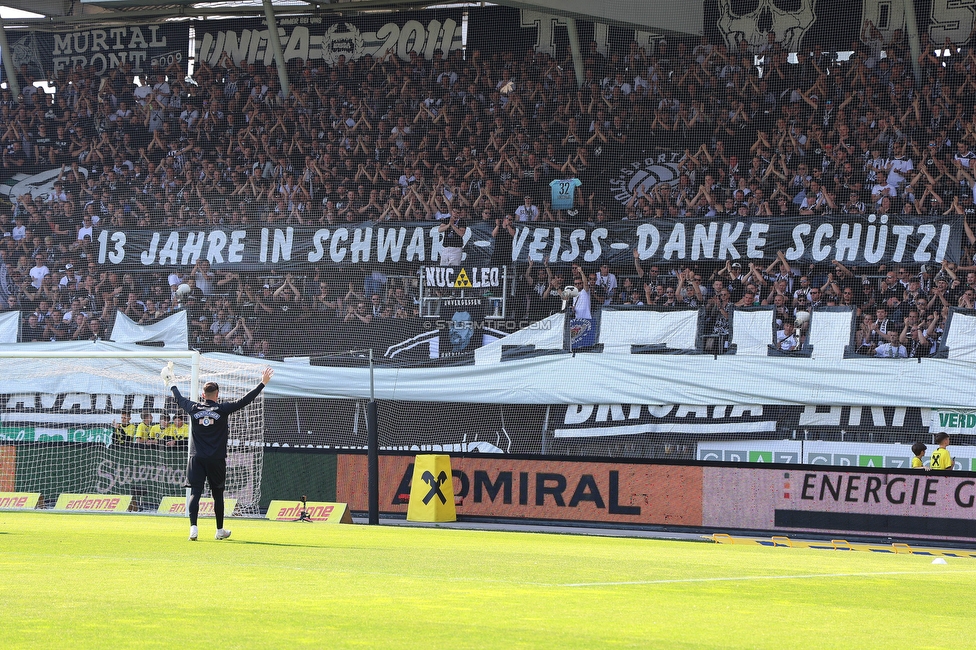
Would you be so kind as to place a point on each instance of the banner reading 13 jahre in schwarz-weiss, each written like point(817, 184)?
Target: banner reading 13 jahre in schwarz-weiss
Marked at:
point(853, 239)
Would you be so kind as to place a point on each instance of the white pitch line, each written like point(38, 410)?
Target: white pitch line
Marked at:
point(743, 578)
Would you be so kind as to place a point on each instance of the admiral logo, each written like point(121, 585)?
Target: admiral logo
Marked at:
point(541, 489)
point(589, 420)
point(645, 174)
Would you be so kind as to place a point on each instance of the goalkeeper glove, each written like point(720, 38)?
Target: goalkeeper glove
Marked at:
point(168, 376)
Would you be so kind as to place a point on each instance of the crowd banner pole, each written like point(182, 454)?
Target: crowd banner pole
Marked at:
point(574, 47)
point(372, 444)
point(8, 63)
point(911, 26)
point(276, 48)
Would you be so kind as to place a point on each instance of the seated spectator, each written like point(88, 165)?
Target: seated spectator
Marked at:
point(32, 330)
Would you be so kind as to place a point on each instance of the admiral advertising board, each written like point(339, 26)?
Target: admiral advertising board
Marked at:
point(865, 502)
point(557, 490)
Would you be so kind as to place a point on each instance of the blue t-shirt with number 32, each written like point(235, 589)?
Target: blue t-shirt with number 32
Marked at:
point(563, 192)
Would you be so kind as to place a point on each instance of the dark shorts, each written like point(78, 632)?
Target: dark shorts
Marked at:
point(213, 470)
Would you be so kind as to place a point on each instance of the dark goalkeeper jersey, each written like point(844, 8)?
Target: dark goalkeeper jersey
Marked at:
point(208, 422)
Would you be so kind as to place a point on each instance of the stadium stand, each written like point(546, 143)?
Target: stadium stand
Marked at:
point(481, 135)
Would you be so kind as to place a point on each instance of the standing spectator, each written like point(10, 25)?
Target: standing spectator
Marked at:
point(607, 282)
point(941, 460)
point(504, 236)
point(39, 271)
point(581, 303)
point(527, 211)
point(453, 231)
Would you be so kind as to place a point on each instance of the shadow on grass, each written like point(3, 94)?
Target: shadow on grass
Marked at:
point(242, 541)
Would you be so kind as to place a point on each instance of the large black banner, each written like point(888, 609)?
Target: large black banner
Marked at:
point(858, 240)
point(325, 39)
point(834, 24)
point(144, 46)
point(589, 429)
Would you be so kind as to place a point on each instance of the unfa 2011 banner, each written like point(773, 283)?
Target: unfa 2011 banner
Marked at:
point(853, 239)
point(312, 38)
point(144, 46)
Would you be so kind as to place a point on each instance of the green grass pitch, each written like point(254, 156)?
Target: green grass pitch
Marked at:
point(75, 581)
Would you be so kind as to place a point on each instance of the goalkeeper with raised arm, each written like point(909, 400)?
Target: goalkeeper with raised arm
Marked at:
point(208, 444)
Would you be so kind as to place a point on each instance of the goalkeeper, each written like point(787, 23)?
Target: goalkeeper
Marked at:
point(208, 444)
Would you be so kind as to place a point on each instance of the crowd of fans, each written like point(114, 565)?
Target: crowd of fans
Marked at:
point(480, 136)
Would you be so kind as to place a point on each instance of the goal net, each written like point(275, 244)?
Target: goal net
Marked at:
point(63, 429)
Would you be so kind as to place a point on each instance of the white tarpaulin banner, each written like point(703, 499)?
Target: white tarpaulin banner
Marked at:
point(961, 336)
point(619, 330)
point(645, 379)
point(172, 331)
point(9, 325)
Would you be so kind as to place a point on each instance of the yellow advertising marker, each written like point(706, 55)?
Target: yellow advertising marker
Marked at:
point(94, 502)
point(177, 506)
point(432, 490)
point(19, 500)
point(323, 511)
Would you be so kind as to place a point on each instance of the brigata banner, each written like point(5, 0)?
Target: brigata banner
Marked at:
point(855, 240)
point(145, 47)
point(325, 39)
point(576, 421)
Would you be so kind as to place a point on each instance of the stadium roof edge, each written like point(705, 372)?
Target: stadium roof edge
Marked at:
point(105, 12)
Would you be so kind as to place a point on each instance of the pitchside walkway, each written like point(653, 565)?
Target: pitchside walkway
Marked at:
point(913, 547)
